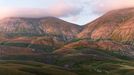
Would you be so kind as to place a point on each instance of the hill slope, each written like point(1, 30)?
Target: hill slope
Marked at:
point(39, 26)
point(117, 25)
point(49, 31)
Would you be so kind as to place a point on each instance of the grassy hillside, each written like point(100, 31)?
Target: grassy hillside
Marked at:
point(31, 68)
point(45, 48)
point(97, 62)
point(81, 60)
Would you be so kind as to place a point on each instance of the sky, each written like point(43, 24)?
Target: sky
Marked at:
point(75, 11)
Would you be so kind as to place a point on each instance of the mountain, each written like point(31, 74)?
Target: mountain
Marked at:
point(39, 33)
point(100, 45)
point(51, 46)
point(50, 26)
point(117, 25)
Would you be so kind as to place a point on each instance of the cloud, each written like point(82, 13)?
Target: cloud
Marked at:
point(59, 9)
point(63, 9)
point(102, 6)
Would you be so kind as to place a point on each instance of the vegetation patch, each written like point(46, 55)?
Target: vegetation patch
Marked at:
point(45, 48)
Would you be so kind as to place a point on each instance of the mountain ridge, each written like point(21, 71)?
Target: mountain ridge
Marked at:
point(48, 25)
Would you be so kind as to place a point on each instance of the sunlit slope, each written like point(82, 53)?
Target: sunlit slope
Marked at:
point(117, 25)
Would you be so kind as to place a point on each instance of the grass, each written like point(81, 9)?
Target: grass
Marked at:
point(31, 68)
point(69, 65)
point(88, 61)
point(24, 34)
point(106, 68)
point(76, 40)
point(84, 61)
point(79, 47)
point(39, 58)
point(79, 39)
point(45, 48)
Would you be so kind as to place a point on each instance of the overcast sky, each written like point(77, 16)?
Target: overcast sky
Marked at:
point(76, 11)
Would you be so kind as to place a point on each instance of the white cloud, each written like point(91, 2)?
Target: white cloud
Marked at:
point(59, 9)
point(80, 11)
point(102, 6)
